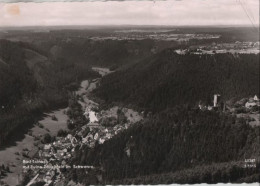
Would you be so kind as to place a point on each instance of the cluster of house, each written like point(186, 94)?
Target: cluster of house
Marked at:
point(182, 37)
point(237, 47)
point(94, 132)
point(56, 154)
point(155, 36)
point(98, 133)
point(50, 177)
point(250, 103)
point(61, 150)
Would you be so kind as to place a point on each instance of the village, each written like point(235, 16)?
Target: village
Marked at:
point(45, 164)
point(155, 36)
point(218, 48)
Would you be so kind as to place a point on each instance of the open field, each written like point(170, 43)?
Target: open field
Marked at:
point(55, 126)
point(12, 156)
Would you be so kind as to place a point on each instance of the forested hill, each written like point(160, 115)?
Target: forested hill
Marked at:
point(25, 72)
point(16, 80)
point(31, 83)
point(107, 53)
point(179, 145)
point(168, 79)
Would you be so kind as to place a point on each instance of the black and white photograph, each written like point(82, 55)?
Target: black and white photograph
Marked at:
point(129, 92)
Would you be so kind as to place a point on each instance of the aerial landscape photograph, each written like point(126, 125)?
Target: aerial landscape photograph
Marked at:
point(124, 92)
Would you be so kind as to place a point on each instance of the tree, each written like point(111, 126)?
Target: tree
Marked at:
point(7, 169)
point(47, 138)
point(62, 133)
point(25, 180)
point(54, 118)
point(70, 126)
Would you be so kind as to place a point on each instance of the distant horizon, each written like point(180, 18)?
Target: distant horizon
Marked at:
point(128, 25)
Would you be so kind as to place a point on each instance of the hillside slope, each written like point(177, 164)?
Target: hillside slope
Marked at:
point(177, 143)
point(172, 143)
point(168, 79)
point(31, 83)
point(16, 79)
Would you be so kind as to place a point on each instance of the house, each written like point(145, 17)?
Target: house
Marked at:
point(128, 151)
point(84, 140)
point(92, 144)
point(63, 162)
point(92, 117)
point(250, 104)
point(80, 133)
point(108, 135)
point(40, 153)
point(69, 136)
point(74, 141)
point(210, 107)
point(127, 125)
point(202, 106)
point(60, 152)
point(88, 138)
point(101, 141)
point(68, 155)
point(96, 136)
point(47, 147)
point(46, 154)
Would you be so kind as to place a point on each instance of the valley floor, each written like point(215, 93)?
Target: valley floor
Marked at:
point(27, 148)
point(13, 156)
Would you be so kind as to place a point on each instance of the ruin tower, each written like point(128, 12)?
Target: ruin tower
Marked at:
point(216, 100)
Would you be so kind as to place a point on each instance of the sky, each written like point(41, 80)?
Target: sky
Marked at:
point(168, 12)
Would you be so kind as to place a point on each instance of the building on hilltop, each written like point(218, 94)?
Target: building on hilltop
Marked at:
point(216, 104)
point(216, 100)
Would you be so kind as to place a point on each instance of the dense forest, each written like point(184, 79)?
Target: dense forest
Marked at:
point(106, 53)
point(233, 172)
point(177, 143)
point(109, 53)
point(172, 143)
point(168, 79)
point(31, 83)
